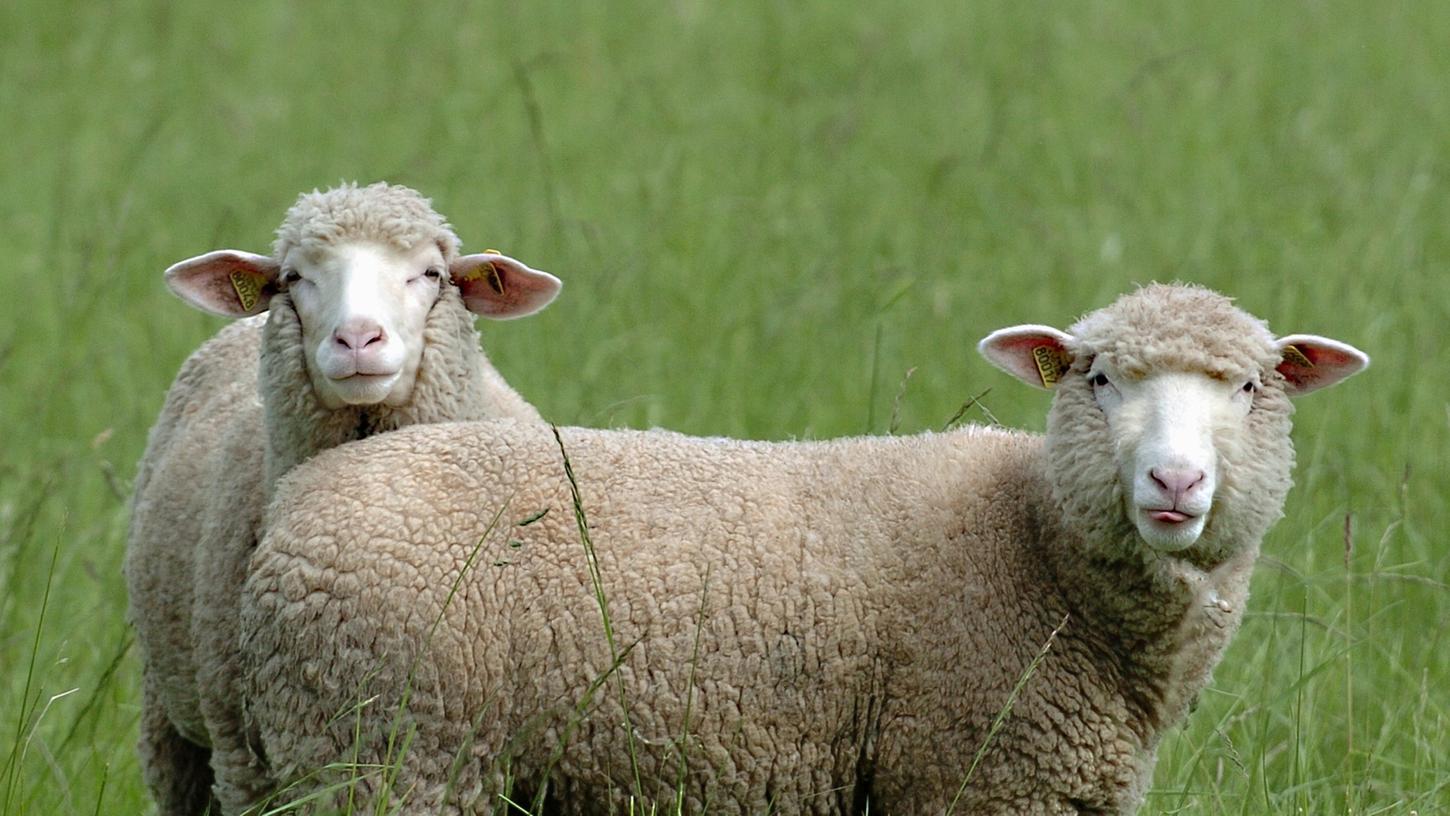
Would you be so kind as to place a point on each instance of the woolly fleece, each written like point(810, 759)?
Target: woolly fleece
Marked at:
point(801, 627)
point(240, 413)
point(390, 213)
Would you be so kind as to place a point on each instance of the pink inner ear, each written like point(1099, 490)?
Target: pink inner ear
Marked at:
point(226, 282)
point(1026, 343)
point(1311, 363)
point(1299, 375)
point(1326, 355)
point(500, 287)
point(1035, 355)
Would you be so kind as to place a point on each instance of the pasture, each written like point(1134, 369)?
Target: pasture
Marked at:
point(773, 220)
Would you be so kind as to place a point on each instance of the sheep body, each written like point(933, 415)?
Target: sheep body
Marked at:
point(804, 627)
point(242, 411)
point(808, 602)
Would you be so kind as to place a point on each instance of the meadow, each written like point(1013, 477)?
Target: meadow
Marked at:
point(773, 220)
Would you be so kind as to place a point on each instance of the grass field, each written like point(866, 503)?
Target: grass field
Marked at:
point(766, 214)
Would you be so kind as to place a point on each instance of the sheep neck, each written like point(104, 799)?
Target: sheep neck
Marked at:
point(1158, 623)
point(455, 381)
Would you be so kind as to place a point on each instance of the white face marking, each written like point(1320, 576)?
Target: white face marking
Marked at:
point(1164, 429)
point(363, 307)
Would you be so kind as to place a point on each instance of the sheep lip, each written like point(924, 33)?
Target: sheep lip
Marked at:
point(1169, 516)
point(363, 377)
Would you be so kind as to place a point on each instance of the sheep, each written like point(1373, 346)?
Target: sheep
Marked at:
point(368, 327)
point(979, 621)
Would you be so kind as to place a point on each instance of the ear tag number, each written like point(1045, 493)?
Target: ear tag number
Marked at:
point(1296, 357)
point(248, 288)
point(1050, 364)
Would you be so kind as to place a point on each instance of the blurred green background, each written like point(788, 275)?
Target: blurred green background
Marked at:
point(766, 214)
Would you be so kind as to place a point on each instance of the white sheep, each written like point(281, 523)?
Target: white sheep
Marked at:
point(807, 627)
point(369, 327)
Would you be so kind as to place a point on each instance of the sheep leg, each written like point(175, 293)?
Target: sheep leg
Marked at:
point(177, 770)
point(241, 775)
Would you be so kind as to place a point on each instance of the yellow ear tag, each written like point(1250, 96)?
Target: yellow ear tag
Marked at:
point(248, 287)
point(1051, 362)
point(494, 279)
point(1295, 356)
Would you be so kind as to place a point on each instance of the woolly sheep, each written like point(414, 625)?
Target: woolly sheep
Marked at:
point(805, 627)
point(368, 328)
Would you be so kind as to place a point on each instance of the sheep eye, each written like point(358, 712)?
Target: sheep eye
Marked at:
point(1099, 380)
point(1249, 387)
point(433, 272)
point(291, 276)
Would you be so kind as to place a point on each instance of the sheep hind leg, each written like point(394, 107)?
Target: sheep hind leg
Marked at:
point(242, 779)
point(177, 770)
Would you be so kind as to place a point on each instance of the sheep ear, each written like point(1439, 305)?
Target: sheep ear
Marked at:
point(499, 287)
point(1311, 362)
point(227, 282)
point(1036, 355)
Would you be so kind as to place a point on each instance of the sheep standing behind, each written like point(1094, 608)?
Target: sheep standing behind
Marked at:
point(819, 627)
point(369, 327)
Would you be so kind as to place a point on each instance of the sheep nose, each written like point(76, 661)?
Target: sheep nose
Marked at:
point(1177, 482)
point(356, 335)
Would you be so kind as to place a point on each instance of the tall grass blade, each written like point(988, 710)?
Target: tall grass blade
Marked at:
point(596, 579)
point(16, 758)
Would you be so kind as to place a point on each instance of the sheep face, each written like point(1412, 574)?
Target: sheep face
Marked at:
point(1171, 416)
point(1165, 430)
point(363, 267)
point(362, 307)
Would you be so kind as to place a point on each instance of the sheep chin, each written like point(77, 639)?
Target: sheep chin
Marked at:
point(1166, 535)
point(368, 389)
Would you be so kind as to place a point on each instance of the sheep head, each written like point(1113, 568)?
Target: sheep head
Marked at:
point(1171, 416)
point(362, 268)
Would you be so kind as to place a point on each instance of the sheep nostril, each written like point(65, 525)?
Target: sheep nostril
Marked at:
point(1177, 482)
point(1153, 474)
point(358, 336)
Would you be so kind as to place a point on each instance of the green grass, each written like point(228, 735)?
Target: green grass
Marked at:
point(765, 215)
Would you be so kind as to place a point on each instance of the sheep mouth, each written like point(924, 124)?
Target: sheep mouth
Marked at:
point(365, 377)
point(363, 389)
point(1169, 529)
point(1169, 516)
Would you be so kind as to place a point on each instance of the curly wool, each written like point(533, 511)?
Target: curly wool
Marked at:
point(214, 397)
point(390, 213)
point(1176, 327)
point(860, 609)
